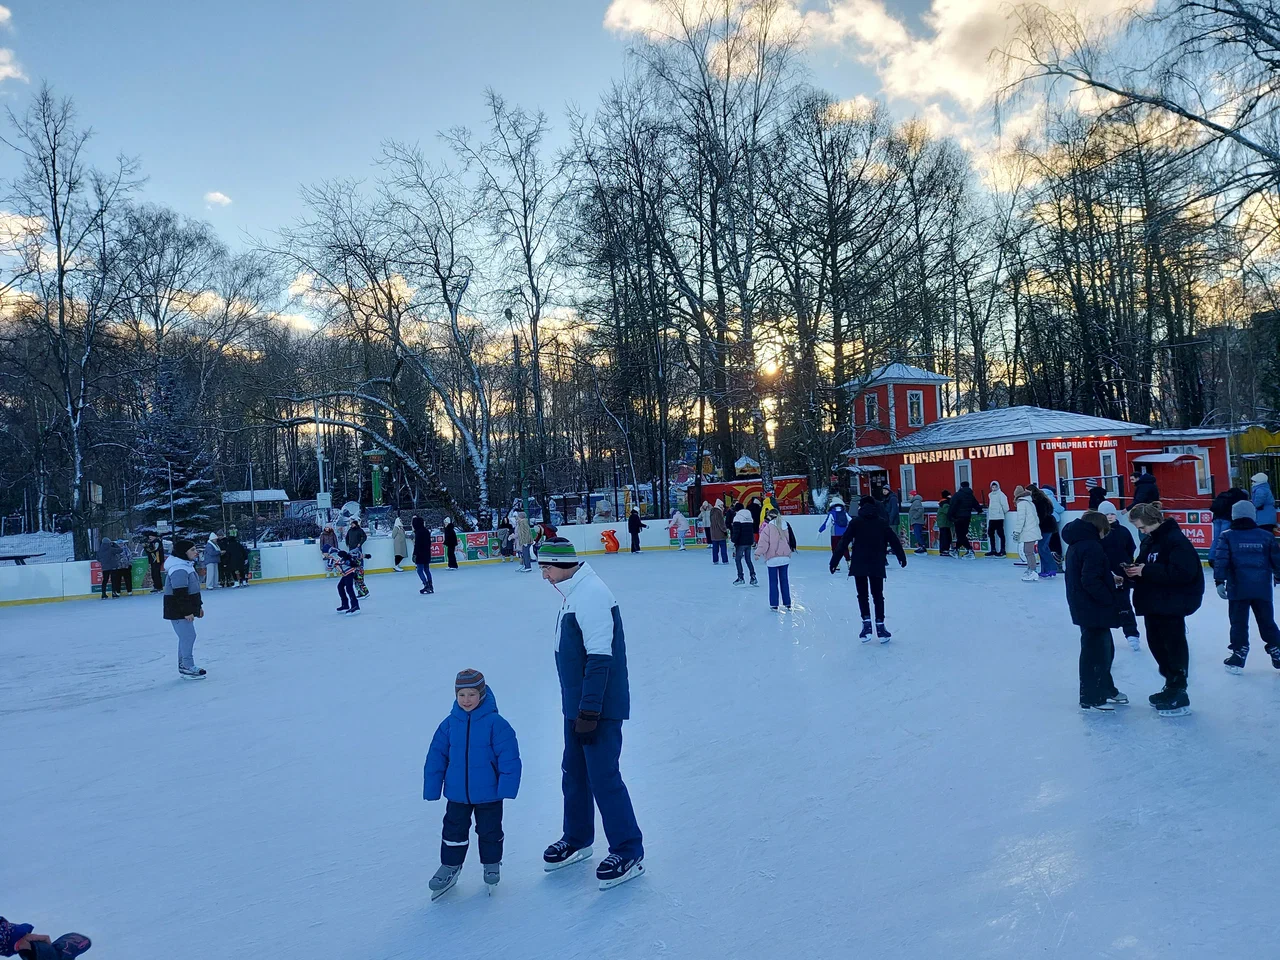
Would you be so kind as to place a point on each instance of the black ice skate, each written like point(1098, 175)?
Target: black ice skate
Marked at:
point(561, 854)
point(739, 582)
point(882, 632)
point(755, 582)
point(1275, 656)
point(1175, 705)
point(1235, 662)
point(865, 635)
point(614, 870)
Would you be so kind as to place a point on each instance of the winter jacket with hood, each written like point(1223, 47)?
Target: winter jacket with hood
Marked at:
point(356, 537)
point(591, 649)
point(524, 533)
point(211, 552)
point(1263, 501)
point(915, 512)
point(1096, 496)
point(997, 503)
point(1172, 581)
point(775, 545)
point(744, 529)
point(681, 523)
point(1026, 523)
point(719, 529)
point(108, 555)
point(328, 541)
point(1145, 490)
point(838, 517)
point(421, 541)
point(865, 542)
point(399, 543)
point(474, 757)
point(944, 510)
point(1092, 596)
point(1119, 546)
point(1247, 560)
point(963, 506)
point(181, 589)
point(892, 509)
point(450, 535)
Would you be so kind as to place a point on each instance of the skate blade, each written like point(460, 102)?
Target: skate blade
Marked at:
point(194, 676)
point(1236, 670)
point(1179, 712)
point(866, 639)
point(636, 871)
point(578, 857)
point(437, 894)
point(885, 639)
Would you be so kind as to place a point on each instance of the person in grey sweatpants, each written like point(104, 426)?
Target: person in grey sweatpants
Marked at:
point(183, 604)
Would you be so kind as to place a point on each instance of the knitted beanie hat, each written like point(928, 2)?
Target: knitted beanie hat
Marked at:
point(1244, 509)
point(180, 547)
point(1107, 508)
point(469, 680)
point(558, 552)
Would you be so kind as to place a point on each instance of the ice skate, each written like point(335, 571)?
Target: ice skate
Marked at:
point(614, 870)
point(1176, 705)
point(1274, 653)
point(353, 611)
point(562, 854)
point(192, 673)
point(492, 874)
point(739, 582)
point(443, 880)
point(1156, 698)
point(1029, 577)
point(1135, 644)
point(882, 632)
point(343, 609)
point(755, 582)
point(1119, 699)
point(865, 635)
point(1102, 707)
point(1235, 662)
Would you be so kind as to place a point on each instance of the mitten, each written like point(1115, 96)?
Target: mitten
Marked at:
point(1222, 590)
point(585, 726)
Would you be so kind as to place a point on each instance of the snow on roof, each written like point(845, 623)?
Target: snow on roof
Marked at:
point(896, 373)
point(1003, 424)
point(1194, 433)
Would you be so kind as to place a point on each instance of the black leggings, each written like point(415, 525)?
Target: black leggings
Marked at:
point(876, 585)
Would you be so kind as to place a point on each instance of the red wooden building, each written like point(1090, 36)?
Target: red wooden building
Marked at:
point(901, 439)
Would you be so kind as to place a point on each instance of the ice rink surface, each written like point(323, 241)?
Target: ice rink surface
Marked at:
point(801, 793)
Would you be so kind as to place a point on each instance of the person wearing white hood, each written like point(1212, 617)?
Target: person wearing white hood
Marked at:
point(212, 556)
point(679, 526)
point(183, 604)
point(997, 509)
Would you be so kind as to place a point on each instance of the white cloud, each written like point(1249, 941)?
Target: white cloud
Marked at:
point(6, 16)
point(635, 16)
point(10, 69)
point(216, 197)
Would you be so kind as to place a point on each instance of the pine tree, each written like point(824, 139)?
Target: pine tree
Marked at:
point(169, 440)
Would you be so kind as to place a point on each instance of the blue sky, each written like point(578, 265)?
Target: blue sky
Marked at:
point(252, 98)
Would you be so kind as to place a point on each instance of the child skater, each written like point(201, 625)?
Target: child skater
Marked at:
point(475, 760)
point(347, 570)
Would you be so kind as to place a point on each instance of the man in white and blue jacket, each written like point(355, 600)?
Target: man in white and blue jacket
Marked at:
point(591, 660)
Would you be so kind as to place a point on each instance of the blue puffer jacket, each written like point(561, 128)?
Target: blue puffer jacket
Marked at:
point(1265, 503)
point(474, 757)
point(1247, 560)
point(838, 517)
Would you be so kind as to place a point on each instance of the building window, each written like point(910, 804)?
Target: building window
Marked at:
point(1110, 482)
point(907, 474)
point(964, 474)
point(872, 409)
point(1204, 481)
point(915, 408)
point(1062, 470)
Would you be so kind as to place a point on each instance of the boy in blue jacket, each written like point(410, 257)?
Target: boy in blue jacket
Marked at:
point(1246, 563)
point(475, 759)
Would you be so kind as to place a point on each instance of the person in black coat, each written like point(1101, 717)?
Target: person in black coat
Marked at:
point(742, 532)
point(1096, 495)
point(634, 526)
point(963, 506)
point(422, 553)
point(755, 508)
point(1120, 548)
point(451, 543)
point(154, 549)
point(235, 560)
point(867, 540)
point(356, 536)
point(1144, 488)
point(1094, 602)
point(1168, 587)
point(1221, 508)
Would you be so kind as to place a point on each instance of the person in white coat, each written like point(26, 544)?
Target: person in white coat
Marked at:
point(399, 544)
point(997, 508)
point(679, 526)
point(1026, 530)
point(212, 556)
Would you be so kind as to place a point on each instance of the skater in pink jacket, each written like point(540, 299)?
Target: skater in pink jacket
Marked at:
point(774, 547)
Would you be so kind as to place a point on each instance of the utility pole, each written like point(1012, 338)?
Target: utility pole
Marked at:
point(253, 506)
point(172, 529)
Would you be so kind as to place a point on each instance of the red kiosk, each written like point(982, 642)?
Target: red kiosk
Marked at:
point(902, 439)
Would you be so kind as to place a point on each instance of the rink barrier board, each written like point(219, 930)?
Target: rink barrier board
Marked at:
point(295, 560)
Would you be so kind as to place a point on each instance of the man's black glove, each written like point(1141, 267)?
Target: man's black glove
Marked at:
point(584, 727)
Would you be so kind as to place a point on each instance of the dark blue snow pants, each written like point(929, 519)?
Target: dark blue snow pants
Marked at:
point(589, 779)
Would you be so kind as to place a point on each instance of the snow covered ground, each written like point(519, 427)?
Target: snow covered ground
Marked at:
point(801, 794)
point(56, 547)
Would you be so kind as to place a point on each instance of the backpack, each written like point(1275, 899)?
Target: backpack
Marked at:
point(791, 537)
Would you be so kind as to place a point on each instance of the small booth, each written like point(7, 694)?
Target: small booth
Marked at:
point(1072, 452)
